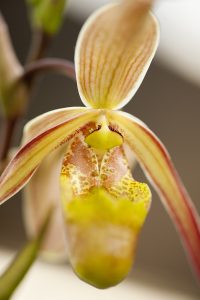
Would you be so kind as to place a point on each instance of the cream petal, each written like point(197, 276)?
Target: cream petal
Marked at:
point(48, 120)
point(43, 189)
point(113, 52)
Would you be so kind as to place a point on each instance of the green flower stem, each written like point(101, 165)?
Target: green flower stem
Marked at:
point(22, 262)
point(47, 15)
point(31, 71)
point(7, 132)
point(40, 43)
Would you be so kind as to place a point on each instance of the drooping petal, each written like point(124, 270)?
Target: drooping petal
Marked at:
point(48, 120)
point(113, 52)
point(156, 162)
point(28, 158)
point(38, 197)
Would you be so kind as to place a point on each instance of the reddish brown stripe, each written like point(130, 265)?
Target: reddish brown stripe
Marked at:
point(18, 187)
point(191, 239)
point(30, 144)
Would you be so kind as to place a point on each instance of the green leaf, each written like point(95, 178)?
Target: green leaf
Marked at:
point(47, 14)
point(18, 268)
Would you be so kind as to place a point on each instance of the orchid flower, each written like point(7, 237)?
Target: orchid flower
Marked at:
point(104, 208)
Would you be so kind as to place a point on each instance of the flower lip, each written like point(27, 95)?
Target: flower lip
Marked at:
point(104, 209)
point(102, 235)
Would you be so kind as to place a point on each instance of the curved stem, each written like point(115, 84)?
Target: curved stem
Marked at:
point(45, 65)
point(32, 70)
point(7, 132)
point(39, 45)
point(24, 259)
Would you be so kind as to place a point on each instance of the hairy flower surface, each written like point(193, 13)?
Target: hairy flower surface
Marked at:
point(79, 155)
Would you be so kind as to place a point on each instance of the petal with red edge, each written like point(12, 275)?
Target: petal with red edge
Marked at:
point(28, 158)
point(157, 164)
point(38, 197)
point(37, 194)
point(48, 120)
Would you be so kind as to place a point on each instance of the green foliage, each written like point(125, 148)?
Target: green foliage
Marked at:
point(21, 263)
point(47, 14)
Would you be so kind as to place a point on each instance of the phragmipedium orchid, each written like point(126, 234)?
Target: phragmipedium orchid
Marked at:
point(104, 208)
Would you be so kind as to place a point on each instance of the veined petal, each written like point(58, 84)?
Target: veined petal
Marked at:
point(156, 162)
point(43, 190)
point(113, 52)
point(48, 120)
point(28, 158)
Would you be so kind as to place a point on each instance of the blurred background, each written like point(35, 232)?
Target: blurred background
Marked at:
point(168, 101)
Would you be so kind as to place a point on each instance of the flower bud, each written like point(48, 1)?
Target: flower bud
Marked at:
point(47, 15)
point(13, 94)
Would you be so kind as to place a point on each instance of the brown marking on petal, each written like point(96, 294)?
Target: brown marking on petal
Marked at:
point(113, 167)
point(31, 154)
point(116, 177)
point(80, 166)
